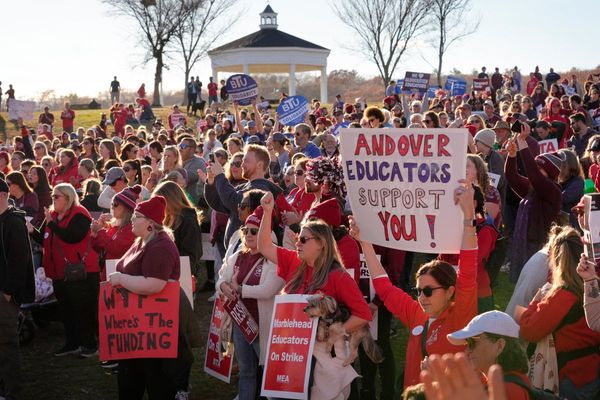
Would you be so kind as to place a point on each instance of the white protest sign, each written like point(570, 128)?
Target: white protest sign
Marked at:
point(548, 145)
point(494, 179)
point(185, 275)
point(401, 186)
point(20, 109)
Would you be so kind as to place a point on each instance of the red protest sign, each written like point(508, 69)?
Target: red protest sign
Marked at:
point(242, 318)
point(215, 365)
point(290, 348)
point(480, 84)
point(137, 326)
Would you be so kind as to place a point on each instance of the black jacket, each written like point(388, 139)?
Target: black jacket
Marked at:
point(188, 237)
point(16, 261)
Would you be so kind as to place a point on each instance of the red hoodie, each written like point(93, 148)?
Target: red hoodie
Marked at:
point(558, 117)
point(66, 175)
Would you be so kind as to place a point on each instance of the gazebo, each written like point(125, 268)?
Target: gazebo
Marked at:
point(270, 50)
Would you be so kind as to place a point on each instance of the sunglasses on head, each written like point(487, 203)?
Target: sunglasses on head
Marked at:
point(427, 290)
point(252, 231)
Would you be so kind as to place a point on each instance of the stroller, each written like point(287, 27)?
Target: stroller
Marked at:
point(40, 312)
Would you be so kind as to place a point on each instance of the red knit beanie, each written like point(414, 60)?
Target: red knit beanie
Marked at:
point(128, 196)
point(551, 163)
point(256, 217)
point(329, 211)
point(154, 209)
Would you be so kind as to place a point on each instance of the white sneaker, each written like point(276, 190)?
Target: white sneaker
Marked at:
point(181, 395)
point(212, 298)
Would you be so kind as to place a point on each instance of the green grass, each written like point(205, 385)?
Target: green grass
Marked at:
point(70, 378)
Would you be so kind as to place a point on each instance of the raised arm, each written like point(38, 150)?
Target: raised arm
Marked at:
point(265, 244)
point(238, 121)
point(518, 183)
point(257, 118)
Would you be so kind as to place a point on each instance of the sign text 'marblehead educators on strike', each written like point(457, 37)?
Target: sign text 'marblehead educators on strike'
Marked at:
point(404, 179)
point(137, 326)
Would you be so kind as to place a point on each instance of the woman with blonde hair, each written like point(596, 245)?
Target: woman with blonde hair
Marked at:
point(184, 220)
point(66, 238)
point(476, 121)
point(171, 160)
point(557, 309)
point(477, 173)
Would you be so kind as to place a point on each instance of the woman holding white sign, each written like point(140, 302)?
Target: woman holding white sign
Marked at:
point(247, 275)
point(315, 267)
point(446, 300)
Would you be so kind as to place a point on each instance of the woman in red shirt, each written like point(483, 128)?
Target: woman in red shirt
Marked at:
point(68, 169)
point(446, 302)
point(316, 267)
point(560, 312)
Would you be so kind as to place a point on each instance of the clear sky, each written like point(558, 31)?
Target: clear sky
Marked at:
point(76, 46)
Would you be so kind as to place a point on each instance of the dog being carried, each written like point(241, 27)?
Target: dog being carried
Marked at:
point(331, 328)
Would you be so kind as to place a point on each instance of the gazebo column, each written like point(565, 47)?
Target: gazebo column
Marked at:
point(324, 84)
point(246, 69)
point(215, 73)
point(292, 82)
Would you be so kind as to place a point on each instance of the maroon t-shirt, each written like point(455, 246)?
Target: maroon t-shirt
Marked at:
point(244, 264)
point(158, 259)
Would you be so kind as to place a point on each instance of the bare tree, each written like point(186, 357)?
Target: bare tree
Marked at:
point(199, 30)
point(158, 21)
point(385, 28)
point(448, 17)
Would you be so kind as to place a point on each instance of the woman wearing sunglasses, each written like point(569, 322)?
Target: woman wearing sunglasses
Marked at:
point(446, 301)
point(493, 338)
point(315, 266)
point(249, 276)
point(66, 239)
point(111, 233)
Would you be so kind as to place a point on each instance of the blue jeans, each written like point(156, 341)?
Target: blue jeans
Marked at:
point(568, 390)
point(246, 356)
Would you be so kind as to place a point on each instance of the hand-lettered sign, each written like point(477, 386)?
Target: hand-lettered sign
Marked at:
point(138, 326)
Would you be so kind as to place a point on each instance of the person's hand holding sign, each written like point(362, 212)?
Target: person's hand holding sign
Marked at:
point(586, 269)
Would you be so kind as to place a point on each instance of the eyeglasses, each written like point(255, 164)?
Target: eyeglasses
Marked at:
point(304, 239)
point(236, 164)
point(252, 231)
point(427, 291)
point(114, 204)
point(299, 172)
point(183, 146)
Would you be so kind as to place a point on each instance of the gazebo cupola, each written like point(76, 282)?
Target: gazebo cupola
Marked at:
point(268, 18)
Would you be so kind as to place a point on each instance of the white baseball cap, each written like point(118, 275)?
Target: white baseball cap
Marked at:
point(495, 322)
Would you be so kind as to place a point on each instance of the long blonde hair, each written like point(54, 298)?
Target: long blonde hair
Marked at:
point(177, 201)
point(564, 249)
point(483, 179)
point(328, 260)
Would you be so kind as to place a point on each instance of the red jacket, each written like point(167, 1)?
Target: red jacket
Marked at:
point(454, 318)
point(54, 257)
point(67, 119)
point(66, 176)
point(543, 318)
point(114, 241)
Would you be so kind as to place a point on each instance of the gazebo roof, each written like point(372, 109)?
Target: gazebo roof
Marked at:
point(265, 38)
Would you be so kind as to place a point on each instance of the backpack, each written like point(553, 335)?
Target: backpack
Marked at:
point(534, 393)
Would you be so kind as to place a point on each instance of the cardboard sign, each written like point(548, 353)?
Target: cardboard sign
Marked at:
point(214, 363)
point(242, 88)
point(416, 81)
point(401, 186)
point(185, 275)
point(208, 251)
point(456, 86)
point(289, 351)
point(20, 109)
point(399, 85)
point(242, 318)
point(481, 84)
point(591, 226)
point(548, 145)
point(292, 110)
point(137, 326)
point(494, 179)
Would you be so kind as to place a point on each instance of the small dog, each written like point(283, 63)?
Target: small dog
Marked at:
point(331, 328)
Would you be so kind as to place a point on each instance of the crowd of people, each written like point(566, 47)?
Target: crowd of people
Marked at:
point(273, 202)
